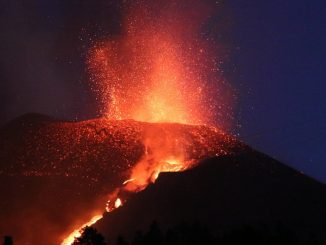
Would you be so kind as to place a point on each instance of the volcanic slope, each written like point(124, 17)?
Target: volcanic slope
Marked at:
point(224, 194)
point(55, 175)
point(36, 145)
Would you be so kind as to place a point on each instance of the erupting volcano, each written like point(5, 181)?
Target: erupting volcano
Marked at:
point(95, 162)
point(158, 147)
point(161, 69)
point(155, 83)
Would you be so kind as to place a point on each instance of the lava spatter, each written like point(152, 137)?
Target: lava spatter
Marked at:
point(158, 85)
point(161, 69)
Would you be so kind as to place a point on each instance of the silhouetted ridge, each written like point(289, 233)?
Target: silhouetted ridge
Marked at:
point(34, 118)
point(224, 193)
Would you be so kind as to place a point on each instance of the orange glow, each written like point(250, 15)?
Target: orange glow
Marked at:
point(164, 152)
point(150, 148)
point(76, 233)
point(161, 69)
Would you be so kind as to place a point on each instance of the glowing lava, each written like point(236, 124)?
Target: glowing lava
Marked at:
point(161, 69)
point(117, 203)
point(76, 233)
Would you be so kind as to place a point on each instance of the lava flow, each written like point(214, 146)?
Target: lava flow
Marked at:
point(161, 69)
point(77, 233)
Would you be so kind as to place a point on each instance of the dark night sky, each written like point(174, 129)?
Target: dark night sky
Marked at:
point(277, 65)
point(280, 64)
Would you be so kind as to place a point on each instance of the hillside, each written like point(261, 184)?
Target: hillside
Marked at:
point(225, 193)
point(55, 175)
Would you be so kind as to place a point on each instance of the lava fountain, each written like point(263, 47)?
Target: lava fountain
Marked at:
point(163, 68)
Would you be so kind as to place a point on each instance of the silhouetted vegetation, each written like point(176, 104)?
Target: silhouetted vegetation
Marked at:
point(7, 240)
point(256, 236)
point(121, 241)
point(90, 236)
point(197, 234)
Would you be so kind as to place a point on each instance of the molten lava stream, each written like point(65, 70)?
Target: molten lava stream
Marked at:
point(77, 232)
point(69, 240)
point(141, 176)
point(160, 69)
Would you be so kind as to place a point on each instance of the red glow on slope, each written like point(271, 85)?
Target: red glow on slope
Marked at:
point(164, 152)
point(76, 233)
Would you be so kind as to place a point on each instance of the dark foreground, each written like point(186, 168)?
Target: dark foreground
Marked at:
point(230, 197)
